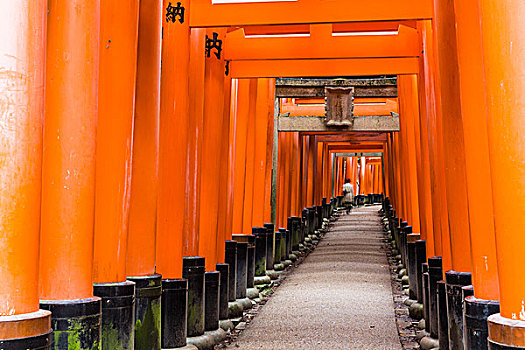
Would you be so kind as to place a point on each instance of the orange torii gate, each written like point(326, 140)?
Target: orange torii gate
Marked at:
point(362, 107)
point(324, 67)
point(458, 68)
point(323, 41)
point(220, 13)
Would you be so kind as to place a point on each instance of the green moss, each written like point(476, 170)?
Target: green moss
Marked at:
point(147, 330)
point(111, 339)
point(77, 337)
point(195, 314)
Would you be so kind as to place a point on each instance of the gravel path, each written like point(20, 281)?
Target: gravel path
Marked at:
point(340, 297)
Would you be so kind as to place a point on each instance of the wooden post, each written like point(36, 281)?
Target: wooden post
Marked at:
point(22, 66)
point(503, 53)
point(68, 168)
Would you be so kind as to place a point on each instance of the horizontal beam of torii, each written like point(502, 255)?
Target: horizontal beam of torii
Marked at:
point(220, 13)
point(368, 123)
point(362, 107)
point(323, 42)
point(344, 155)
point(324, 67)
point(354, 148)
point(352, 137)
point(315, 88)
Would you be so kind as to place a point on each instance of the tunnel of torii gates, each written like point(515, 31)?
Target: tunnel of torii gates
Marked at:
point(118, 172)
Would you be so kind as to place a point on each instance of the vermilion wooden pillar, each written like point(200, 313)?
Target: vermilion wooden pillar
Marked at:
point(362, 167)
point(281, 175)
point(336, 178)
point(395, 176)
point(423, 199)
point(193, 174)
point(453, 136)
point(66, 274)
point(326, 169)
point(263, 113)
point(22, 63)
point(354, 174)
point(172, 146)
point(409, 110)
point(239, 142)
point(267, 217)
point(68, 167)
point(116, 100)
point(295, 175)
point(405, 156)
point(422, 129)
point(401, 212)
point(213, 122)
point(304, 170)
point(479, 184)
point(250, 159)
point(378, 177)
point(225, 186)
point(387, 156)
point(286, 188)
point(340, 175)
point(140, 259)
point(435, 145)
point(318, 174)
point(286, 178)
point(231, 156)
point(311, 170)
point(387, 160)
point(503, 53)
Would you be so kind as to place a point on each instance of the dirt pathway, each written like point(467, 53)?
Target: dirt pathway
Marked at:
point(340, 297)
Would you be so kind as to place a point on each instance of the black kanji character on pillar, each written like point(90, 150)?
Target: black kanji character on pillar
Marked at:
point(173, 12)
point(214, 43)
point(227, 68)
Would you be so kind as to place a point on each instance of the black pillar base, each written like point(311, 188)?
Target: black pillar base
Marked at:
point(305, 222)
point(250, 275)
point(421, 258)
point(455, 282)
point(269, 245)
point(435, 274)
point(224, 269)
point(403, 248)
point(212, 282)
point(230, 258)
point(411, 268)
point(260, 251)
point(76, 324)
point(278, 251)
point(442, 314)
point(193, 268)
point(148, 291)
point(288, 245)
point(173, 314)
point(242, 270)
point(40, 342)
point(118, 314)
point(297, 229)
point(426, 298)
point(476, 312)
point(282, 245)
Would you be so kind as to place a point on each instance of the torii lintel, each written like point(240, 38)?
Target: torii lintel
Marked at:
point(221, 13)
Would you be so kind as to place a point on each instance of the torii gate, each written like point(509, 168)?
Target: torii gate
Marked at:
point(222, 13)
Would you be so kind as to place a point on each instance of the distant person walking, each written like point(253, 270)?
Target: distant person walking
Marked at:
point(348, 191)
